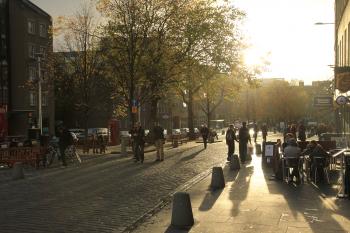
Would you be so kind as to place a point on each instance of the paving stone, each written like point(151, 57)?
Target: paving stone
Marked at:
point(104, 194)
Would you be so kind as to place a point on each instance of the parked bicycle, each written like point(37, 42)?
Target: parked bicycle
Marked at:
point(53, 152)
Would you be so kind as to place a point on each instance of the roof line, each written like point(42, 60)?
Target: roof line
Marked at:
point(36, 8)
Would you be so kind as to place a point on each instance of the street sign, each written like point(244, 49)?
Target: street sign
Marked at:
point(341, 100)
point(323, 101)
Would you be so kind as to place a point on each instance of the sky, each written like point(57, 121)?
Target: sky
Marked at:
point(282, 32)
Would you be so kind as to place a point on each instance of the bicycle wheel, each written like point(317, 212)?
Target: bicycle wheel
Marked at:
point(50, 156)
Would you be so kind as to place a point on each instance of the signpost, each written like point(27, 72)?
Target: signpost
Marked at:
point(323, 101)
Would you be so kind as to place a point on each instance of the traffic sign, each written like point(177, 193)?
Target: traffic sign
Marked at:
point(134, 109)
point(342, 100)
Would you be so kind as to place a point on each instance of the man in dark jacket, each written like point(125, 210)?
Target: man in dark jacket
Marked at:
point(301, 133)
point(230, 141)
point(205, 134)
point(65, 140)
point(264, 132)
point(244, 138)
point(158, 136)
point(138, 137)
point(318, 157)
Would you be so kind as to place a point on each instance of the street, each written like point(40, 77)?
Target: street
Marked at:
point(106, 194)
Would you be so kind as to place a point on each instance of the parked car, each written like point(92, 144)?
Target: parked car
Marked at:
point(197, 132)
point(79, 133)
point(185, 132)
point(99, 131)
point(176, 132)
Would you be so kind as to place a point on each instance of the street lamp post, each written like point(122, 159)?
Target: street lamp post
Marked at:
point(40, 113)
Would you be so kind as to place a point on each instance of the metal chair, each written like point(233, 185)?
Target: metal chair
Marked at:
point(290, 163)
point(320, 163)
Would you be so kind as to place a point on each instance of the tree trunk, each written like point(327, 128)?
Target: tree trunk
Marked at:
point(190, 115)
point(208, 112)
point(153, 112)
point(131, 115)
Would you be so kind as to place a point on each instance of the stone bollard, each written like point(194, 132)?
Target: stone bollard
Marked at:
point(17, 172)
point(257, 149)
point(182, 216)
point(234, 163)
point(175, 143)
point(217, 178)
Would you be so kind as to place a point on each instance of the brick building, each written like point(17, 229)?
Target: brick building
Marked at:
point(24, 36)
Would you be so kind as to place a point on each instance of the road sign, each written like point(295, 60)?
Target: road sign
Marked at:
point(342, 100)
point(323, 101)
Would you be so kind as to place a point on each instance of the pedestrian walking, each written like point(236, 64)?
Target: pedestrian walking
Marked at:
point(138, 137)
point(230, 141)
point(264, 132)
point(158, 136)
point(65, 140)
point(244, 138)
point(255, 132)
point(205, 134)
point(94, 142)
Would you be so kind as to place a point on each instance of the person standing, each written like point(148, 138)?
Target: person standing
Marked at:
point(65, 140)
point(264, 132)
point(293, 130)
point(243, 138)
point(255, 132)
point(158, 135)
point(205, 134)
point(138, 136)
point(301, 133)
point(230, 141)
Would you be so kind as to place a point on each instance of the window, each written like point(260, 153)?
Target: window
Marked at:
point(31, 50)
point(45, 98)
point(32, 98)
point(31, 27)
point(32, 73)
point(42, 30)
point(42, 51)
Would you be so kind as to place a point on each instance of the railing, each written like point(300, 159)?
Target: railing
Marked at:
point(340, 154)
point(29, 155)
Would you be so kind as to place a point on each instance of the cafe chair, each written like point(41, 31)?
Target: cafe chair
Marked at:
point(290, 163)
point(320, 163)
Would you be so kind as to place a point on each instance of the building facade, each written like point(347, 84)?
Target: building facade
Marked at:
point(342, 62)
point(24, 37)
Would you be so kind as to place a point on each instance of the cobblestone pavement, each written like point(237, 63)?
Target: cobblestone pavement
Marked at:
point(105, 194)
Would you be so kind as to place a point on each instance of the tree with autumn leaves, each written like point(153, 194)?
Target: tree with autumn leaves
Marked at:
point(144, 48)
